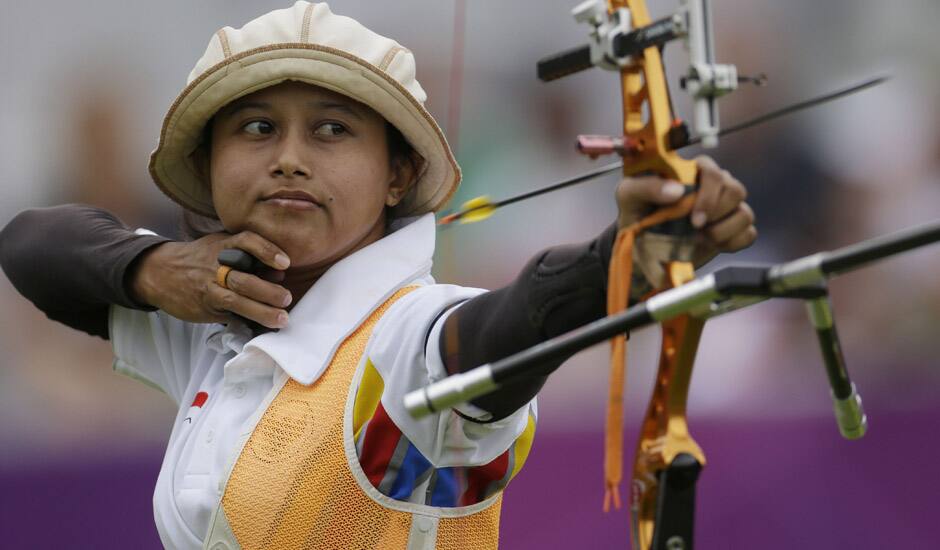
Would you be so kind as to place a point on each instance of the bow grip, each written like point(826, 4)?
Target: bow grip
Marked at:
point(679, 227)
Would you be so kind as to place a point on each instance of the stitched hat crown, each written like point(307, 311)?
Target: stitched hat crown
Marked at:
point(307, 23)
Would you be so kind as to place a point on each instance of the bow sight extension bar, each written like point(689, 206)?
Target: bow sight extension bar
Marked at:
point(727, 289)
point(613, 44)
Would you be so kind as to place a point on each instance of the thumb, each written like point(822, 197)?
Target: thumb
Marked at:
point(638, 196)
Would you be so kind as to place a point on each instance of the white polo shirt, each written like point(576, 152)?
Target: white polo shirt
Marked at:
point(222, 378)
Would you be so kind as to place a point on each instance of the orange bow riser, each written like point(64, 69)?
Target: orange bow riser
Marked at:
point(665, 434)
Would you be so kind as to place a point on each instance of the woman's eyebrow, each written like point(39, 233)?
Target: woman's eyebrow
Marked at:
point(323, 105)
point(336, 106)
point(241, 106)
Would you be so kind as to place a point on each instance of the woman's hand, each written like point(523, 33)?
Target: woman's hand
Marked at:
point(725, 222)
point(180, 279)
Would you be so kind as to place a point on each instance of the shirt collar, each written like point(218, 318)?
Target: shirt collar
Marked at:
point(345, 296)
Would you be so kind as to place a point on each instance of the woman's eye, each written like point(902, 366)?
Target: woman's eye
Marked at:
point(330, 129)
point(259, 127)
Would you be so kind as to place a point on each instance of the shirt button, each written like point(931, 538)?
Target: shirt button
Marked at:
point(239, 390)
point(424, 524)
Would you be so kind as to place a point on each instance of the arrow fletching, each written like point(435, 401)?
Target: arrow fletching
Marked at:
point(474, 210)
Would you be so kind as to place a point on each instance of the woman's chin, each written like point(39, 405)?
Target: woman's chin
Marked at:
point(290, 235)
point(310, 244)
point(304, 253)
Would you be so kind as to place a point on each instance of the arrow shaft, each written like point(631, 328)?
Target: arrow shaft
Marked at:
point(612, 167)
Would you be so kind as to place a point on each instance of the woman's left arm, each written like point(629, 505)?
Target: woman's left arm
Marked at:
point(565, 287)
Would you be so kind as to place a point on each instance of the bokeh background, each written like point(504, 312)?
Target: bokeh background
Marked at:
point(85, 88)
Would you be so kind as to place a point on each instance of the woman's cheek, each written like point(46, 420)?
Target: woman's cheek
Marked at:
point(231, 204)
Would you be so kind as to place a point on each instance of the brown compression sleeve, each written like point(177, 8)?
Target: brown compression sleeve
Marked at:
point(560, 289)
point(70, 261)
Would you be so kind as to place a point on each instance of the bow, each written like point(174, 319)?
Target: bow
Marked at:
point(623, 38)
point(668, 460)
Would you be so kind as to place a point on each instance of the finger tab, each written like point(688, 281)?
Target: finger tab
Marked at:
point(237, 259)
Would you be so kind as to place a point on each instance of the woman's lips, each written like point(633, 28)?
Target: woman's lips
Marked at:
point(293, 204)
point(293, 200)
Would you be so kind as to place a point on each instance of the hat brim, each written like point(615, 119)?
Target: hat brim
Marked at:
point(172, 165)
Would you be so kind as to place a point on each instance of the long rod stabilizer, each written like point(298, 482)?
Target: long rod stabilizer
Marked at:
point(727, 289)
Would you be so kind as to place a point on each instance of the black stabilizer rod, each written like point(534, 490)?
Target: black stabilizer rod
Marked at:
point(846, 402)
point(802, 278)
point(857, 255)
point(569, 343)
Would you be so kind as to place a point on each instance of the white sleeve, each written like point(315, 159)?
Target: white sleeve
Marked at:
point(153, 347)
point(399, 354)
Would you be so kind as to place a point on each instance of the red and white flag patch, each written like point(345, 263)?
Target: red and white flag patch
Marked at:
point(198, 402)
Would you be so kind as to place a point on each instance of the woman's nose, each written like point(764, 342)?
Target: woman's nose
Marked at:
point(289, 159)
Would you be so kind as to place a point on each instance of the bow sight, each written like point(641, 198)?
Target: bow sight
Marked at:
point(613, 45)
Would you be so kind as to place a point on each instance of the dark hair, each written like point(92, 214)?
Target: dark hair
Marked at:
point(193, 226)
point(398, 146)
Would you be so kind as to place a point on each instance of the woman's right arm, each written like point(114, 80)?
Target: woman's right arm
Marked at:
point(71, 261)
point(74, 261)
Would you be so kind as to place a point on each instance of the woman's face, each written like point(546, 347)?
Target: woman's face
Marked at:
point(306, 168)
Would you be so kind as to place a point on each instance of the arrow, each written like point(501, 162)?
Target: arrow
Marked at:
point(482, 207)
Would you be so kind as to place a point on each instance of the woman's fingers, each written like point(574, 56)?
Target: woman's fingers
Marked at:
point(742, 240)
point(710, 181)
point(257, 289)
point(271, 275)
point(732, 195)
point(726, 222)
point(645, 190)
point(253, 296)
point(719, 193)
point(735, 231)
point(223, 299)
point(637, 196)
point(259, 247)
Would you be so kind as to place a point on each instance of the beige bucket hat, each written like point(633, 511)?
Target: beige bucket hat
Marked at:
point(305, 43)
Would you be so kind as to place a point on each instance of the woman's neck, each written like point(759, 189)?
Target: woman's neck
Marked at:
point(298, 280)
